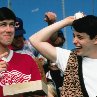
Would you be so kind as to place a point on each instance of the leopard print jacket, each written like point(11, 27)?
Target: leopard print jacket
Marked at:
point(73, 84)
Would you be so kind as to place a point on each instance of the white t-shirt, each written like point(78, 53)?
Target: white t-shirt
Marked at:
point(89, 69)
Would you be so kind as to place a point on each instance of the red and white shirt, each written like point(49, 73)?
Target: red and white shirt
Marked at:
point(21, 68)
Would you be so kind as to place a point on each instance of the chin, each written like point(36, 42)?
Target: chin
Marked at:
point(79, 53)
point(8, 43)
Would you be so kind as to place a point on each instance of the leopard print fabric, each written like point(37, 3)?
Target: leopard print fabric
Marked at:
point(71, 84)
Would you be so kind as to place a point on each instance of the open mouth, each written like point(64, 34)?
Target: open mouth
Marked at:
point(78, 47)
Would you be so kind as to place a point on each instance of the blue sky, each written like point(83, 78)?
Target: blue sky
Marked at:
point(32, 13)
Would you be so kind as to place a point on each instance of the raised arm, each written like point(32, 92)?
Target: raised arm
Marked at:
point(39, 39)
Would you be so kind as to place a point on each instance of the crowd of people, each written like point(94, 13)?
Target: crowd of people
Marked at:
point(67, 73)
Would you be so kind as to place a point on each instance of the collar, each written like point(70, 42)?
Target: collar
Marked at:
point(9, 56)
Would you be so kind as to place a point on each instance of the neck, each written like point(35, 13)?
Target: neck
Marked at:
point(93, 56)
point(92, 53)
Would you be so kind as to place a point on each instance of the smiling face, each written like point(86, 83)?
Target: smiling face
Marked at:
point(6, 32)
point(84, 45)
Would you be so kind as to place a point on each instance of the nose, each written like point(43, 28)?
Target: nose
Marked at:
point(8, 28)
point(75, 40)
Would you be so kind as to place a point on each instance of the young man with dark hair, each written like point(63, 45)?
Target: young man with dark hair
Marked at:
point(80, 65)
point(14, 67)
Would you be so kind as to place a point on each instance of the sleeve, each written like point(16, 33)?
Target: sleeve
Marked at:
point(62, 58)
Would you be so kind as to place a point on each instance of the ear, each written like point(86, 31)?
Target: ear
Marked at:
point(95, 42)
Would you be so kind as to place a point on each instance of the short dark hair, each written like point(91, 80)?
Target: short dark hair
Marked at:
point(60, 34)
point(7, 14)
point(87, 24)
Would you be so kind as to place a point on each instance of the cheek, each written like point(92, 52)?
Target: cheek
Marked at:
point(87, 46)
point(13, 31)
point(86, 43)
point(82, 42)
point(1, 38)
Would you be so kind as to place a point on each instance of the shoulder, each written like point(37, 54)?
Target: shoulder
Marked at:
point(25, 59)
point(61, 50)
point(22, 56)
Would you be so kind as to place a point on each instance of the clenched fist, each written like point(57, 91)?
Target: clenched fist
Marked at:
point(50, 17)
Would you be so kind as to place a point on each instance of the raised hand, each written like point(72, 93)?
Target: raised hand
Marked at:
point(3, 64)
point(50, 17)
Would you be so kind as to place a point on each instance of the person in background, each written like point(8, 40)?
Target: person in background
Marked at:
point(80, 64)
point(20, 44)
point(50, 18)
point(57, 40)
point(14, 67)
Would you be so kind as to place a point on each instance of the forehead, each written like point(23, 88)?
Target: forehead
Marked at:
point(75, 33)
point(7, 21)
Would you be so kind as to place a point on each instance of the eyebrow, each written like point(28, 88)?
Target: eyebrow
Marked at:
point(4, 22)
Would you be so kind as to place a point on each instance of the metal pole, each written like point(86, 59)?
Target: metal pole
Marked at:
point(9, 4)
point(93, 7)
point(64, 29)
